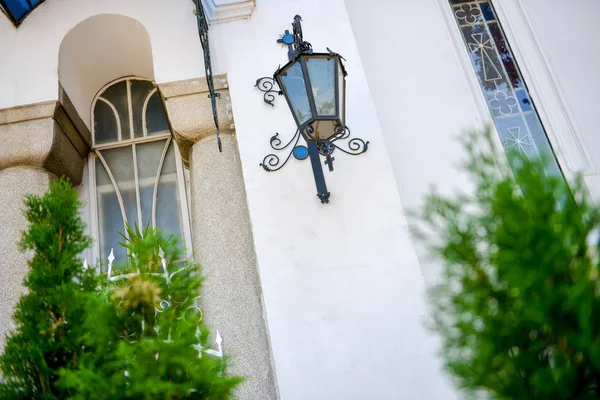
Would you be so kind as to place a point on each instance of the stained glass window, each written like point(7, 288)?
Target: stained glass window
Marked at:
point(17, 10)
point(138, 175)
point(505, 91)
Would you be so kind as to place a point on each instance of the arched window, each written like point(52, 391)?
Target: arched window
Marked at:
point(135, 167)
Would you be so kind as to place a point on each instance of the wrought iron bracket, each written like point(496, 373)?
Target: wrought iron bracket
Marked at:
point(213, 95)
point(272, 162)
point(266, 85)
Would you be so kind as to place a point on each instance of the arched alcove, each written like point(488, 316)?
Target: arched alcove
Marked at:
point(98, 50)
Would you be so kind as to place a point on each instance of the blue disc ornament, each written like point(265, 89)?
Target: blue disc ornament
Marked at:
point(287, 38)
point(300, 152)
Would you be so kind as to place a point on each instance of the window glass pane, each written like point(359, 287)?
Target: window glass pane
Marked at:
point(117, 96)
point(293, 80)
point(18, 8)
point(148, 156)
point(342, 94)
point(105, 123)
point(146, 202)
point(168, 210)
point(168, 215)
point(110, 220)
point(120, 165)
point(110, 224)
point(322, 81)
point(140, 90)
point(169, 166)
point(156, 119)
point(484, 58)
point(507, 97)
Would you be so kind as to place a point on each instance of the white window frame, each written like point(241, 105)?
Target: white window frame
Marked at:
point(554, 112)
point(179, 175)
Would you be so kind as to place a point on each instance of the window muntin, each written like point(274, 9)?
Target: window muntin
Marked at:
point(508, 99)
point(17, 10)
point(135, 166)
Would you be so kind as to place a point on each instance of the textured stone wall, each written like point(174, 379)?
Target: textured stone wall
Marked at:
point(223, 242)
point(15, 183)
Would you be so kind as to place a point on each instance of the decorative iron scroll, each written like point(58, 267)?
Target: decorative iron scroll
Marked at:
point(131, 331)
point(265, 85)
point(272, 162)
point(203, 33)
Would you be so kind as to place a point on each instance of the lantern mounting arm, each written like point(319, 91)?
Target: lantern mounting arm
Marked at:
point(314, 148)
point(202, 23)
point(271, 162)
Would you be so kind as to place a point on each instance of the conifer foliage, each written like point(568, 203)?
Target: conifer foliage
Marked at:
point(518, 304)
point(147, 332)
point(137, 334)
point(50, 316)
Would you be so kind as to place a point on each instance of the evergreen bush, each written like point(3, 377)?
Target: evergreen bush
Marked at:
point(145, 332)
point(138, 335)
point(518, 303)
point(49, 319)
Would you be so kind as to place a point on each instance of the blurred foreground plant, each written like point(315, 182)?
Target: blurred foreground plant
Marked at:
point(145, 333)
point(49, 318)
point(137, 335)
point(518, 303)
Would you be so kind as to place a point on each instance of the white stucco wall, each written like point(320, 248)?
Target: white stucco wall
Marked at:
point(426, 92)
point(341, 282)
point(424, 95)
point(30, 54)
point(566, 34)
point(342, 286)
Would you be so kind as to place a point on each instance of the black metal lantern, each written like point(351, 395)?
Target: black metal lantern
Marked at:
point(314, 86)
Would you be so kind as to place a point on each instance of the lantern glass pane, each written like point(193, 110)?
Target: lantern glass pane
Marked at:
point(324, 130)
point(295, 87)
point(341, 94)
point(322, 80)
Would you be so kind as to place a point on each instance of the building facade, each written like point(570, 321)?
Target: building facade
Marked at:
point(313, 301)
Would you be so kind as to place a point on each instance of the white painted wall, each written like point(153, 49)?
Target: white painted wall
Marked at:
point(425, 94)
point(90, 56)
point(341, 282)
point(30, 54)
point(567, 34)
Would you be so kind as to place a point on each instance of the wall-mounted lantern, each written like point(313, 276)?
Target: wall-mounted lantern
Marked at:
point(314, 86)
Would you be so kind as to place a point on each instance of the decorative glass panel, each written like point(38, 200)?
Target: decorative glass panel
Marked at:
point(342, 94)
point(505, 91)
point(106, 122)
point(137, 182)
point(116, 97)
point(295, 87)
point(110, 220)
point(119, 165)
point(17, 10)
point(322, 81)
point(156, 119)
point(140, 93)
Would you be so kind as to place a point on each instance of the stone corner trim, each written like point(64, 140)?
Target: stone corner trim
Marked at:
point(189, 111)
point(44, 135)
point(219, 11)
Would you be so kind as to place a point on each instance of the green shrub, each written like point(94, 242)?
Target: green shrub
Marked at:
point(518, 303)
point(139, 335)
point(145, 333)
point(50, 317)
